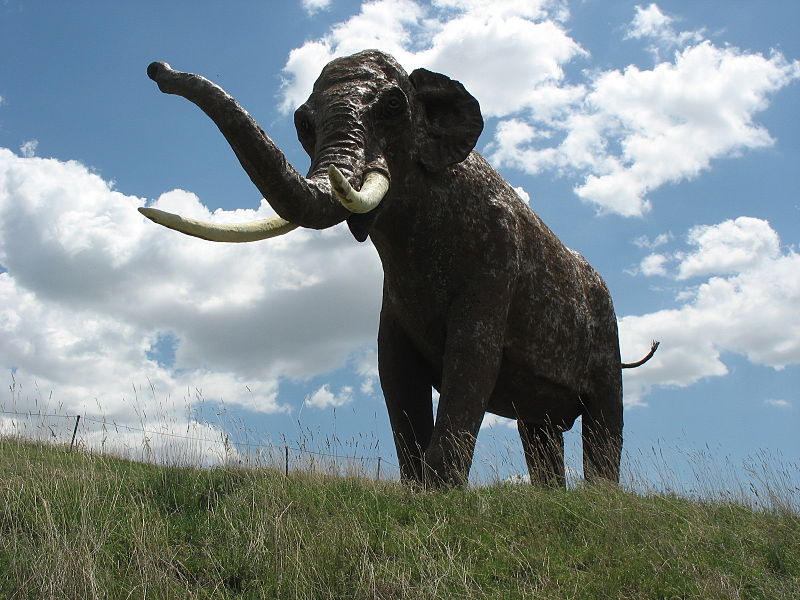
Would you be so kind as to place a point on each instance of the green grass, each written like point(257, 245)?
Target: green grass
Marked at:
point(79, 525)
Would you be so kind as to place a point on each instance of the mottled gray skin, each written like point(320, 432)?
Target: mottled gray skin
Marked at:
point(480, 299)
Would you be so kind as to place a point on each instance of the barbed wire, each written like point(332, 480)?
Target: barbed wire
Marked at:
point(227, 439)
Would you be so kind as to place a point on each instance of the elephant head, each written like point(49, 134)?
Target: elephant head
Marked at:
point(367, 126)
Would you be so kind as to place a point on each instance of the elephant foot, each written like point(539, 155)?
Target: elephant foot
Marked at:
point(441, 470)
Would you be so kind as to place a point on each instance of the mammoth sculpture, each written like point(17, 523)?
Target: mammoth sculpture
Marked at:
point(481, 301)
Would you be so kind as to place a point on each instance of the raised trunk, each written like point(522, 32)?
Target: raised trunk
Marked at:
point(304, 202)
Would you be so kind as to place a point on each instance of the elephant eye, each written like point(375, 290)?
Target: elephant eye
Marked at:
point(393, 104)
point(305, 129)
point(302, 121)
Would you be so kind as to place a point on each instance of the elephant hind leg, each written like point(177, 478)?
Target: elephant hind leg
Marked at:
point(602, 434)
point(602, 449)
point(543, 445)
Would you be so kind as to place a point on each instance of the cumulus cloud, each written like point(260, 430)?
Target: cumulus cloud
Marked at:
point(523, 195)
point(90, 287)
point(367, 369)
point(669, 123)
point(28, 149)
point(506, 53)
point(653, 264)
point(382, 24)
point(651, 23)
point(314, 6)
point(645, 242)
point(730, 247)
point(158, 440)
point(506, 59)
point(747, 304)
point(324, 398)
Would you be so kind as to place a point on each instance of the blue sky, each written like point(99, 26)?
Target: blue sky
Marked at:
point(659, 140)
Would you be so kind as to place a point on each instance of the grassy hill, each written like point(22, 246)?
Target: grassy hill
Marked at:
point(77, 525)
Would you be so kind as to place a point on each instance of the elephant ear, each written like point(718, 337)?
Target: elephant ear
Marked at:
point(449, 119)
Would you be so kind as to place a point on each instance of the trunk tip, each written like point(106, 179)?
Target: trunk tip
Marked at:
point(155, 69)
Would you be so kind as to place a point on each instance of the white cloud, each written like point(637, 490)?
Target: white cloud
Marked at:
point(668, 123)
point(524, 196)
point(381, 24)
point(367, 369)
point(157, 440)
point(651, 23)
point(729, 247)
point(659, 240)
point(324, 398)
point(314, 6)
point(778, 403)
point(90, 284)
point(671, 121)
point(501, 51)
point(653, 264)
point(502, 58)
point(747, 306)
point(530, 9)
point(28, 149)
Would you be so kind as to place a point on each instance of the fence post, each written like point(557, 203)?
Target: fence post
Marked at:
point(286, 461)
point(74, 431)
point(379, 469)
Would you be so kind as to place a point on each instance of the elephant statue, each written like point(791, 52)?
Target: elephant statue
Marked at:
point(481, 300)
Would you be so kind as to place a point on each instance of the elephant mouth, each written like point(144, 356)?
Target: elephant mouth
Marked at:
point(367, 199)
point(373, 190)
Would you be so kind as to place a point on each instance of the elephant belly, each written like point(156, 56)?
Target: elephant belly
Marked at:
point(521, 394)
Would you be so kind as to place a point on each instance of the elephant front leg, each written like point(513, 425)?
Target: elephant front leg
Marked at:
point(473, 353)
point(406, 384)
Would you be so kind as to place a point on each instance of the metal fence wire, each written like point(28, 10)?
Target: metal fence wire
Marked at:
point(90, 433)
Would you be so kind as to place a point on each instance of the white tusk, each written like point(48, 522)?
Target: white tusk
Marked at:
point(233, 232)
point(372, 192)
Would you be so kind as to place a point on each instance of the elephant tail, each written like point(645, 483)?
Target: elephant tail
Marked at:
point(639, 363)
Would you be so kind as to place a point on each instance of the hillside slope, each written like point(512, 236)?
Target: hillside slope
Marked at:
point(74, 525)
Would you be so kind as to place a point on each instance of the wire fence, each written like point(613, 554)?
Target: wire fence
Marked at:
point(763, 481)
point(163, 444)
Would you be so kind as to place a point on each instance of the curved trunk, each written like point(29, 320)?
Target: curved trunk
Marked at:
point(301, 201)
